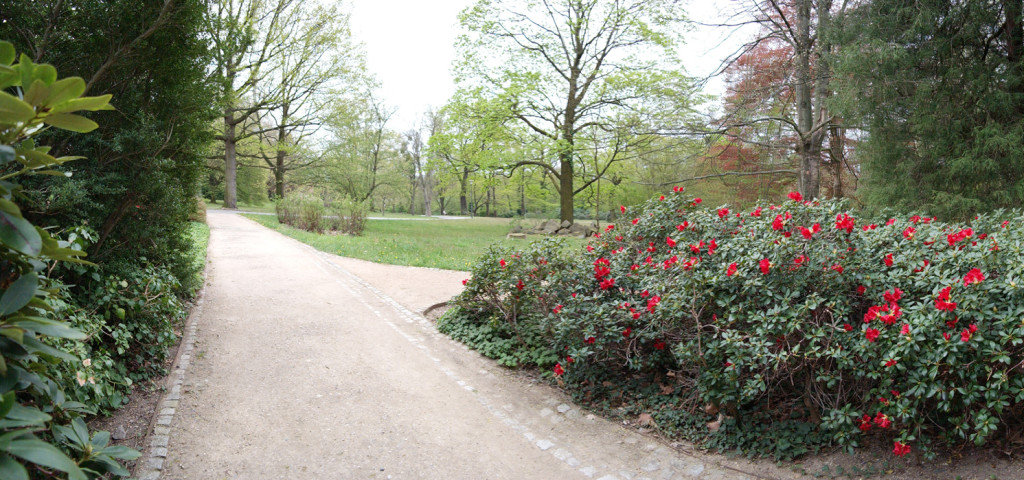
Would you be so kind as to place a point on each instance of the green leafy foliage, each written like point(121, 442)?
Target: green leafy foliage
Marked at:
point(32, 404)
point(953, 157)
point(308, 212)
point(778, 330)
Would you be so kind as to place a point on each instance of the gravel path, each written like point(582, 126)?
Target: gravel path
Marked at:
point(308, 365)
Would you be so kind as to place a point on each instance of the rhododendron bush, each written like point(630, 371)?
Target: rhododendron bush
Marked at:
point(905, 330)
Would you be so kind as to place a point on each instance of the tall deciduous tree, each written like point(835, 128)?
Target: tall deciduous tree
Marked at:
point(273, 61)
point(362, 152)
point(939, 85)
point(566, 66)
point(323, 60)
point(779, 85)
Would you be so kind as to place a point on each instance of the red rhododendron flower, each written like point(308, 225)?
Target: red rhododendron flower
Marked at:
point(972, 327)
point(882, 420)
point(908, 233)
point(973, 276)
point(634, 267)
point(900, 449)
point(722, 212)
point(871, 334)
point(731, 270)
point(661, 198)
point(847, 327)
point(890, 363)
point(520, 285)
point(609, 228)
point(622, 208)
point(559, 371)
point(844, 222)
point(465, 281)
point(905, 329)
point(627, 332)
point(659, 345)
point(677, 189)
point(644, 294)
point(697, 201)
point(806, 232)
point(965, 335)
point(557, 309)
point(890, 222)
point(888, 259)
point(865, 423)
point(838, 268)
point(777, 224)
point(893, 296)
point(671, 243)
point(607, 283)
point(946, 336)
point(652, 303)
point(861, 289)
point(942, 301)
point(712, 246)
point(502, 263)
point(795, 196)
point(682, 226)
point(590, 340)
point(756, 212)
point(765, 265)
point(569, 359)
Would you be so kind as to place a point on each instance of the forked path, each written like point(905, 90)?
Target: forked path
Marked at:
point(303, 369)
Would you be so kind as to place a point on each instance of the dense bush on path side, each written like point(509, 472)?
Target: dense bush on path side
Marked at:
point(42, 432)
point(777, 330)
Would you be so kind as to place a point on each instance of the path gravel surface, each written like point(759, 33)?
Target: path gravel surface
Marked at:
point(307, 365)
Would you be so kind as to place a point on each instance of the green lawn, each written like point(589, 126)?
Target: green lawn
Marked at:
point(449, 244)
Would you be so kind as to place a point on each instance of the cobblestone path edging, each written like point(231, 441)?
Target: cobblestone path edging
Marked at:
point(151, 463)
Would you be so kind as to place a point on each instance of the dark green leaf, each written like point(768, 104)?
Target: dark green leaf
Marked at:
point(18, 294)
point(10, 469)
point(18, 234)
point(49, 327)
point(7, 154)
point(42, 453)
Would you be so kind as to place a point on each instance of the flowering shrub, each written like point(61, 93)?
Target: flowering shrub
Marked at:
point(800, 317)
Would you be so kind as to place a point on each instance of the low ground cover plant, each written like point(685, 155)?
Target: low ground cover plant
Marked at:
point(777, 330)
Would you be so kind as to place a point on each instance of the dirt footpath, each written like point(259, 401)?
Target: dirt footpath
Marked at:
point(301, 369)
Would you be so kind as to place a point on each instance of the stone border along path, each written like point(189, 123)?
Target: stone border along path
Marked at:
point(151, 463)
point(644, 458)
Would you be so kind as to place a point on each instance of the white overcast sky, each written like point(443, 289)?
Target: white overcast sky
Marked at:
point(410, 48)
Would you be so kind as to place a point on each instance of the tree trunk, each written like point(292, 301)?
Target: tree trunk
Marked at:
point(809, 155)
point(282, 155)
point(279, 179)
point(230, 163)
point(463, 188)
point(565, 193)
point(522, 192)
point(427, 207)
point(836, 142)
